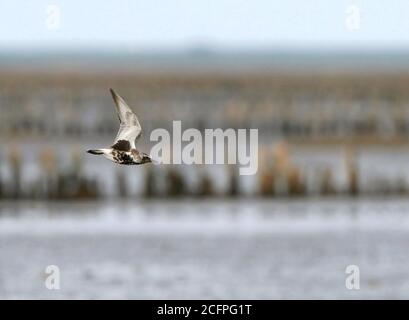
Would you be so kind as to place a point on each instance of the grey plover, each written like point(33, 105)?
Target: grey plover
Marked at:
point(123, 150)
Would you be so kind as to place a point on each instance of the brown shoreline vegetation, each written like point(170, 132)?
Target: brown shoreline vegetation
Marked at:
point(345, 110)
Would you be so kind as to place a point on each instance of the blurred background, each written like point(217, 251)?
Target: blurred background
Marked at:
point(325, 83)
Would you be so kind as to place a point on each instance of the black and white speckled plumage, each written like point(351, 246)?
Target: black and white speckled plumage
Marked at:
point(123, 150)
point(132, 157)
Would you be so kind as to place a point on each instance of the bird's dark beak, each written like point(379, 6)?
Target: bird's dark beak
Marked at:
point(146, 159)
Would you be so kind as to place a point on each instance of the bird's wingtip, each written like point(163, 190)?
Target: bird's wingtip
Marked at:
point(114, 95)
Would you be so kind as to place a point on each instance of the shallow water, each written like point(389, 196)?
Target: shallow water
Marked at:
point(206, 249)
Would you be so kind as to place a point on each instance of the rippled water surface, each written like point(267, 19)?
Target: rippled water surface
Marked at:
point(206, 249)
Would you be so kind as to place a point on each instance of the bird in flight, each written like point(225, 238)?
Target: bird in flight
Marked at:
point(123, 150)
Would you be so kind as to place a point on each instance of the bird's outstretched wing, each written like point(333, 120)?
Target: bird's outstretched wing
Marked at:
point(129, 129)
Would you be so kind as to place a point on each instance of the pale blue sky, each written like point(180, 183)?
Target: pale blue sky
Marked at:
point(221, 23)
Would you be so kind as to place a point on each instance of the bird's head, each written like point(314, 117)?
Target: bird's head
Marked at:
point(146, 158)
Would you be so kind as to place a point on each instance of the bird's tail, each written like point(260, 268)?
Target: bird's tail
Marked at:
point(96, 152)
